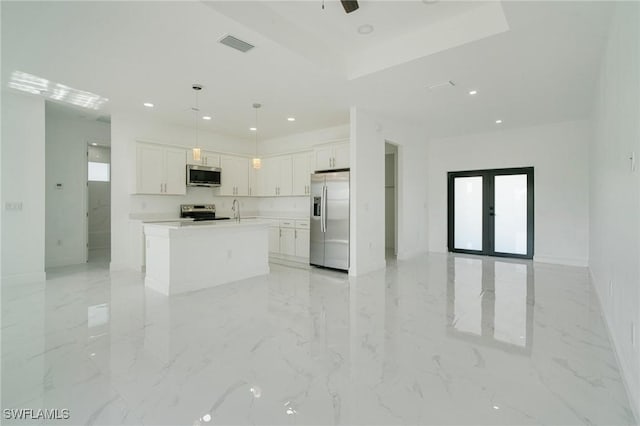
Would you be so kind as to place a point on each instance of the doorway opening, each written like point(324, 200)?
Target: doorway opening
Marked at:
point(98, 203)
point(391, 200)
point(490, 212)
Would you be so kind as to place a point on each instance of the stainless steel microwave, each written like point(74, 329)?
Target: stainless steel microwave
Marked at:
point(203, 175)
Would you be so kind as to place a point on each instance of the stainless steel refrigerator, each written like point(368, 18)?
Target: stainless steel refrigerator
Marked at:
point(330, 220)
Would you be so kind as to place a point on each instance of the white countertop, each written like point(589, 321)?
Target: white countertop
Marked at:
point(208, 224)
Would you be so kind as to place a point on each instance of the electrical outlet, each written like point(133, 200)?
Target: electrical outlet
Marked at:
point(13, 206)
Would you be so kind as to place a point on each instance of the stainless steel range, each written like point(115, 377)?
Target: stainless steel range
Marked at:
point(200, 212)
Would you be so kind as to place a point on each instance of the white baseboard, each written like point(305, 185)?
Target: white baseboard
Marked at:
point(354, 272)
point(32, 277)
point(568, 261)
point(406, 255)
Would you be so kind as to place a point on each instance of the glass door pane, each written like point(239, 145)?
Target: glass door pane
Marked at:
point(468, 213)
point(510, 229)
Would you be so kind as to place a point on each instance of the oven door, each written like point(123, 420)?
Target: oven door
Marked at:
point(203, 176)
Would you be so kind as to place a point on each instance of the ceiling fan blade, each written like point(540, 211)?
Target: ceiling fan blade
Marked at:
point(349, 5)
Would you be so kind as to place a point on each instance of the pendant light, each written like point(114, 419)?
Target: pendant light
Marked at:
point(256, 160)
point(196, 149)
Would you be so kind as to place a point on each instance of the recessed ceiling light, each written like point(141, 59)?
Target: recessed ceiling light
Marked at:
point(206, 117)
point(498, 121)
point(473, 92)
point(291, 119)
point(94, 144)
point(148, 104)
point(253, 129)
point(365, 29)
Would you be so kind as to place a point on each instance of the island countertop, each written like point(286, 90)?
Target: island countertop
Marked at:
point(208, 224)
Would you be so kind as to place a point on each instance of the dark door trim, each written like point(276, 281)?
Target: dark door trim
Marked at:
point(488, 215)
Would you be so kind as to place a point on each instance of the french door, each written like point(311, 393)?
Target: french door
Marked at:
point(491, 212)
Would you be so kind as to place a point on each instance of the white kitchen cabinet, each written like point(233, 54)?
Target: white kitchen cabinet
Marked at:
point(207, 158)
point(341, 156)
point(302, 243)
point(160, 170)
point(332, 156)
point(324, 157)
point(302, 169)
point(276, 176)
point(287, 241)
point(234, 179)
point(274, 239)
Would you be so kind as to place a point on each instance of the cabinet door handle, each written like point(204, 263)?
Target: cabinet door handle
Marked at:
point(295, 233)
point(281, 233)
point(160, 187)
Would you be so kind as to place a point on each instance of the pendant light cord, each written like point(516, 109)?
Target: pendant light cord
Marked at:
point(195, 113)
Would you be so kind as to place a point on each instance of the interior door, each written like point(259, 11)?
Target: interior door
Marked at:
point(491, 212)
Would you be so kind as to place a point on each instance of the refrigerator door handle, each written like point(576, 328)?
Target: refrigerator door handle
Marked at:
point(324, 208)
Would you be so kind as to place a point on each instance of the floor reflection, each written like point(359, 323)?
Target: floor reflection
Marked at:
point(491, 302)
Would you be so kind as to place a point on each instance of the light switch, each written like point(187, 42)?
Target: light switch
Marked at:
point(58, 186)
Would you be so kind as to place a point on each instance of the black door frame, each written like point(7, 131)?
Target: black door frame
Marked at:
point(488, 215)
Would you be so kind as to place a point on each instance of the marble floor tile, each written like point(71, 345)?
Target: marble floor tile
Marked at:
point(439, 339)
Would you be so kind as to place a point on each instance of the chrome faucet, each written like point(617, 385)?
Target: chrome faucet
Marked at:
point(236, 210)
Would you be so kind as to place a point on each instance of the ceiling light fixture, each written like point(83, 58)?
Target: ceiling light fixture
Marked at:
point(473, 92)
point(291, 119)
point(196, 149)
point(253, 129)
point(256, 160)
point(206, 117)
point(365, 29)
point(498, 121)
point(148, 104)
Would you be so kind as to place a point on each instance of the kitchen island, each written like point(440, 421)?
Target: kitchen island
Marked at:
point(188, 256)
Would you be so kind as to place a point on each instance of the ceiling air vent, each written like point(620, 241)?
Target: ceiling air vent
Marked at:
point(236, 43)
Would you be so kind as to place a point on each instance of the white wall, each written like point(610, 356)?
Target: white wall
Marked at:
point(367, 194)
point(615, 192)
point(559, 154)
point(368, 136)
point(23, 154)
point(66, 138)
point(303, 141)
point(125, 131)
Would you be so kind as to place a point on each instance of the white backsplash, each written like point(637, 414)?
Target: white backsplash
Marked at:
point(249, 206)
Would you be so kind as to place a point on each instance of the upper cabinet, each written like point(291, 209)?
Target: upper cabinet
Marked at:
point(332, 156)
point(160, 170)
point(302, 169)
point(276, 176)
point(234, 175)
point(207, 158)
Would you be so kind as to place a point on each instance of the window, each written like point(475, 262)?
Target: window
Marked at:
point(98, 172)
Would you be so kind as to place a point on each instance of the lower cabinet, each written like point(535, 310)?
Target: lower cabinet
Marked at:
point(289, 241)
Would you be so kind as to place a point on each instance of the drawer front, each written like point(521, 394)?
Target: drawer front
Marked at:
point(287, 223)
point(303, 224)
